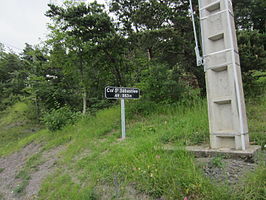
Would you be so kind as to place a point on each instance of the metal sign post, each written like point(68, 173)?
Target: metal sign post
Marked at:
point(123, 119)
point(122, 93)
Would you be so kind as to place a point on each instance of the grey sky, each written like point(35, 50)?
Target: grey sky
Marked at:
point(23, 21)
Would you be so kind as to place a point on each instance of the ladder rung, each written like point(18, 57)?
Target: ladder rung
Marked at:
point(225, 133)
point(219, 68)
point(216, 37)
point(222, 100)
point(213, 6)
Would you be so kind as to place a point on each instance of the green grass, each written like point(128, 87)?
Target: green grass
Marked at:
point(95, 163)
point(25, 174)
point(16, 130)
point(20, 189)
point(254, 186)
point(217, 161)
point(257, 120)
point(12, 114)
point(138, 161)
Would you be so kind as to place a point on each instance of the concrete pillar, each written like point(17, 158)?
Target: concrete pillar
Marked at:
point(226, 106)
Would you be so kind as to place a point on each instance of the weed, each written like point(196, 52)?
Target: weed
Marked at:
point(217, 161)
point(20, 189)
point(24, 174)
point(2, 169)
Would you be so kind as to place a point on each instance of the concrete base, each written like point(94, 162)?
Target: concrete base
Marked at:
point(228, 142)
point(205, 151)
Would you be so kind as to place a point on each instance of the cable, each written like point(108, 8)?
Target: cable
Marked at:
point(199, 58)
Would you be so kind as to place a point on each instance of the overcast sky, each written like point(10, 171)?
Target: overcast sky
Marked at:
point(23, 21)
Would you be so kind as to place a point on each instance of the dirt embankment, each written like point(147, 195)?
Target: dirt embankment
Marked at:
point(13, 164)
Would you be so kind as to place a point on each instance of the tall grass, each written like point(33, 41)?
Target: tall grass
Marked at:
point(137, 162)
point(96, 164)
point(16, 130)
point(256, 110)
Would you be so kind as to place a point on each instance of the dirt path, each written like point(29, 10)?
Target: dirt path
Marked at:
point(11, 165)
point(43, 171)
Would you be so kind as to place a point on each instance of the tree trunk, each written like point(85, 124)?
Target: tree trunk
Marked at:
point(84, 91)
point(149, 53)
point(84, 98)
point(37, 108)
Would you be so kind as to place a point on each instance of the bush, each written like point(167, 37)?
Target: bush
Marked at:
point(140, 108)
point(161, 84)
point(98, 104)
point(255, 83)
point(9, 101)
point(56, 119)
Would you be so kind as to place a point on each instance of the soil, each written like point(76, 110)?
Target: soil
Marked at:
point(105, 192)
point(11, 165)
point(43, 171)
point(228, 171)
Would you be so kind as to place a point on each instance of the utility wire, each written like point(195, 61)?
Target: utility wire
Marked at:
point(199, 58)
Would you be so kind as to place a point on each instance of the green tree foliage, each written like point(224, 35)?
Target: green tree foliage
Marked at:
point(252, 50)
point(38, 89)
point(81, 28)
point(162, 30)
point(250, 15)
point(162, 85)
point(12, 77)
point(149, 44)
point(251, 24)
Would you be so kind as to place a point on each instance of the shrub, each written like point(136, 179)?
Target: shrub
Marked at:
point(56, 119)
point(140, 107)
point(255, 83)
point(161, 84)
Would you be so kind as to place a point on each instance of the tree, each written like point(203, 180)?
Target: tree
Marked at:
point(12, 76)
point(38, 88)
point(251, 25)
point(162, 30)
point(81, 27)
point(250, 15)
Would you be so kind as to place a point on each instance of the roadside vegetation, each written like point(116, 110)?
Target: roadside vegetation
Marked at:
point(16, 128)
point(96, 164)
point(54, 117)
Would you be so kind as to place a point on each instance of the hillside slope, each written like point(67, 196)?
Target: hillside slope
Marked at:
point(89, 161)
